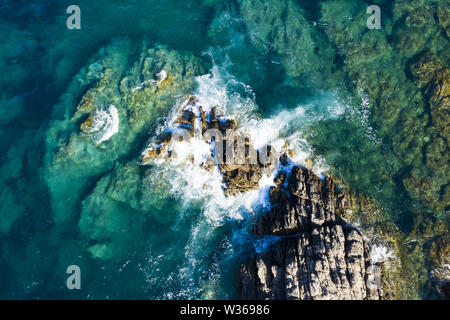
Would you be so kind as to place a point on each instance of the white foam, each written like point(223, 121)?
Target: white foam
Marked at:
point(286, 126)
point(263, 244)
point(362, 115)
point(105, 124)
point(160, 77)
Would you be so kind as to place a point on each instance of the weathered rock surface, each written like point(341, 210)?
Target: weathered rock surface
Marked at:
point(317, 255)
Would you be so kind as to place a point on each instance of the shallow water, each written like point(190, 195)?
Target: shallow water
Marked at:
point(155, 231)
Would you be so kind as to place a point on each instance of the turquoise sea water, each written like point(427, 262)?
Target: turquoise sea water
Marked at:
point(154, 232)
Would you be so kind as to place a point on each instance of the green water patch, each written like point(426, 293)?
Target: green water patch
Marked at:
point(122, 76)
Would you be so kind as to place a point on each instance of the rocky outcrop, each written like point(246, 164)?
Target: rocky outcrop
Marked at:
point(306, 250)
point(131, 82)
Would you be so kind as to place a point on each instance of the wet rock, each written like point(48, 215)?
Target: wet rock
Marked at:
point(86, 126)
point(317, 256)
point(164, 137)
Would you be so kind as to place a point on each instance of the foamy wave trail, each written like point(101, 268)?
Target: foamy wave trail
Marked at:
point(105, 124)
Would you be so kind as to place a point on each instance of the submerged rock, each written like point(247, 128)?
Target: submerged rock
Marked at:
point(111, 218)
point(316, 254)
point(430, 182)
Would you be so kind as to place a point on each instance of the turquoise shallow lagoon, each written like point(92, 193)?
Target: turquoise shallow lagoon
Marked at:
point(369, 107)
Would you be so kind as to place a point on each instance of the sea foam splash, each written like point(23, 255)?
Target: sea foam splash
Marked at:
point(192, 184)
point(105, 124)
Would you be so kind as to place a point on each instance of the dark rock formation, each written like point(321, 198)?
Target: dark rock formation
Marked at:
point(316, 254)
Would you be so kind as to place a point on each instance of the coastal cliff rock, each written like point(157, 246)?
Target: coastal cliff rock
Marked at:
point(239, 163)
point(308, 251)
